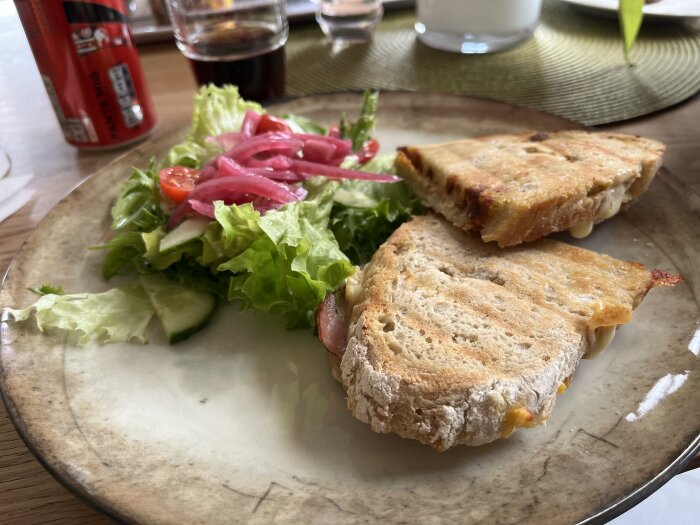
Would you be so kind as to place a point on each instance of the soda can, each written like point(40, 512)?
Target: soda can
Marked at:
point(91, 70)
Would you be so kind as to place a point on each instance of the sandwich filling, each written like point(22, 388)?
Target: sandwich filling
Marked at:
point(599, 339)
point(611, 202)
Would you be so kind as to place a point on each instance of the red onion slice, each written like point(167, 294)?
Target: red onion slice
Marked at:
point(279, 175)
point(343, 146)
point(335, 172)
point(318, 151)
point(250, 123)
point(208, 171)
point(253, 184)
point(267, 142)
point(229, 167)
point(205, 209)
point(233, 189)
point(278, 162)
point(337, 160)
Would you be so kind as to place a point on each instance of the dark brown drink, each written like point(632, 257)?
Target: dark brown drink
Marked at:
point(259, 75)
point(258, 78)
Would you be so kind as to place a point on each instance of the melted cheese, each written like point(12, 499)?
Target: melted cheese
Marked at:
point(353, 288)
point(611, 202)
point(581, 229)
point(564, 385)
point(516, 418)
point(599, 340)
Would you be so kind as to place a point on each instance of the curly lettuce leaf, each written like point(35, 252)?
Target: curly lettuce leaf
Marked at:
point(190, 154)
point(189, 272)
point(235, 229)
point(381, 164)
point(136, 211)
point(124, 251)
point(137, 207)
point(362, 227)
point(216, 110)
point(115, 316)
point(300, 124)
point(283, 262)
point(365, 213)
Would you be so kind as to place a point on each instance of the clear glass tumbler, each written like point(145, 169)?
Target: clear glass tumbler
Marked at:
point(237, 42)
point(476, 26)
point(347, 22)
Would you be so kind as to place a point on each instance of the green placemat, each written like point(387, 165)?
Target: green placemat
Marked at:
point(573, 66)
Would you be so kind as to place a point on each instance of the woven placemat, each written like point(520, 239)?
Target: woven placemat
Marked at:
point(572, 67)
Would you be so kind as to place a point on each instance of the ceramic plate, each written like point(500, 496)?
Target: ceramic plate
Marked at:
point(663, 9)
point(243, 422)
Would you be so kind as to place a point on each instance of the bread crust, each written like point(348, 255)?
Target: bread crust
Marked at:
point(453, 341)
point(516, 188)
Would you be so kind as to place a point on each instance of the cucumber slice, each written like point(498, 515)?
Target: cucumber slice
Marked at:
point(186, 232)
point(181, 310)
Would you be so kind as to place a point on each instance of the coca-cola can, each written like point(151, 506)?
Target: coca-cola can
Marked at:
point(91, 70)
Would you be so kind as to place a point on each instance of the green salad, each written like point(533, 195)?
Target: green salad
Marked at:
point(272, 212)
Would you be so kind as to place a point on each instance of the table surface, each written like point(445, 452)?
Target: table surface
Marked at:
point(28, 494)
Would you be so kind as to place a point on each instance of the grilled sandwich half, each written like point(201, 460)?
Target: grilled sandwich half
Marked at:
point(449, 340)
point(515, 188)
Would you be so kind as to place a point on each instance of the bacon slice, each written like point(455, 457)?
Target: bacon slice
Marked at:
point(332, 326)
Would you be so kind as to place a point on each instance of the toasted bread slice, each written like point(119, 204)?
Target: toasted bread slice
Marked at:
point(454, 341)
point(515, 188)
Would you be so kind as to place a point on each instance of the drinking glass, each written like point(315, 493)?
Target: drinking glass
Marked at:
point(476, 26)
point(237, 42)
point(347, 22)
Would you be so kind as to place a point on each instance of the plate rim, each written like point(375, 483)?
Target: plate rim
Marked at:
point(96, 503)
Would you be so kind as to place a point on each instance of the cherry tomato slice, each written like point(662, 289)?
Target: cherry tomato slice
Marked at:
point(368, 151)
point(269, 123)
point(177, 182)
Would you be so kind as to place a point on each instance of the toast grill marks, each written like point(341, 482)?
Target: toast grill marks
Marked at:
point(514, 188)
point(451, 338)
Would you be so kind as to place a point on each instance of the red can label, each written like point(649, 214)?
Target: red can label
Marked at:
point(90, 68)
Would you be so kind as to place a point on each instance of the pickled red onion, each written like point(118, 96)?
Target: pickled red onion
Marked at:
point(335, 172)
point(267, 142)
point(234, 190)
point(250, 123)
point(261, 169)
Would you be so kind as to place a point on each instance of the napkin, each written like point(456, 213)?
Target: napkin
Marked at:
point(14, 195)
